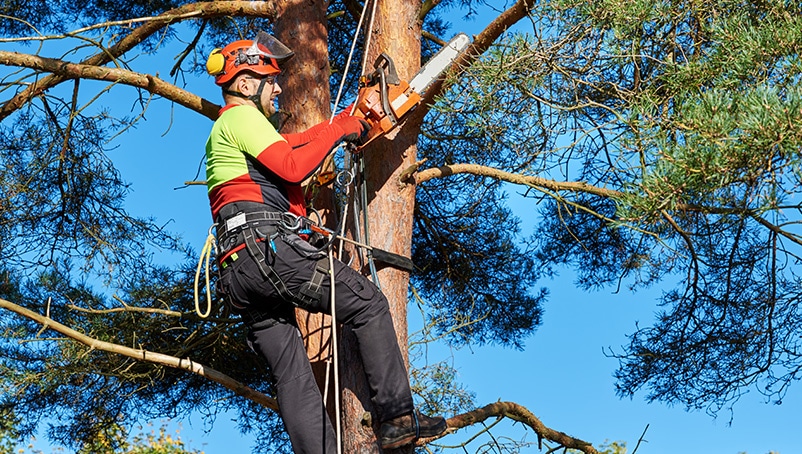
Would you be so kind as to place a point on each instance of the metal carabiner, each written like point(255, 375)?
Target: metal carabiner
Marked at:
point(288, 217)
point(213, 238)
point(341, 178)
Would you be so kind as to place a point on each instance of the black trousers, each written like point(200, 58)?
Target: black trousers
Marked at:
point(359, 304)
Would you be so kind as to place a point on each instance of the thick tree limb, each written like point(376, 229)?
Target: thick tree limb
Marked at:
point(516, 178)
point(144, 355)
point(518, 413)
point(427, 7)
point(579, 186)
point(481, 43)
point(191, 11)
point(153, 84)
point(499, 409)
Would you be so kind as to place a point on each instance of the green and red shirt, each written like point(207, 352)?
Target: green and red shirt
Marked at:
point(248, 160)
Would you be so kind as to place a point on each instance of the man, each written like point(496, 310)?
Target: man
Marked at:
point(254, 179)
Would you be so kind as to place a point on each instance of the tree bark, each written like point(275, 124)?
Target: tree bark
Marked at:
point(396, 32)
point(302, 26)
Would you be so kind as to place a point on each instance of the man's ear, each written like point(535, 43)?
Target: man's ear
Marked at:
point(240, 85)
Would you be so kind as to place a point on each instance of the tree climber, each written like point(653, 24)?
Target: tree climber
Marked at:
point(254, 179)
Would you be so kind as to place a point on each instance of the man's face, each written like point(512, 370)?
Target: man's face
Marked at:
point(270, 91)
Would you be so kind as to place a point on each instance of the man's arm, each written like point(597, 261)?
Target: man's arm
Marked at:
point(302, 138)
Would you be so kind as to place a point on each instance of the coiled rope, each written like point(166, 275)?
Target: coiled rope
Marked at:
point(209, 246)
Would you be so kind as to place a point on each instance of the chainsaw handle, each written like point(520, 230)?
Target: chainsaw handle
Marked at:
point(383, 75)
point(384, 61)
point(384, 96)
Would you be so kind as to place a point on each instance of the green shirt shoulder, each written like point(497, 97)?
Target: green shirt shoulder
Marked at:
point(239, 131)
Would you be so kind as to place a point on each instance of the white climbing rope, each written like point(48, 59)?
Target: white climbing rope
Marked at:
point(206, 253)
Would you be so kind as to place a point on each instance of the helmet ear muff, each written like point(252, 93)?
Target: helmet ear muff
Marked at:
point(216, 62)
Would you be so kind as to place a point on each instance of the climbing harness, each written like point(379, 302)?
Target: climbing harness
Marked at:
point(247, 229)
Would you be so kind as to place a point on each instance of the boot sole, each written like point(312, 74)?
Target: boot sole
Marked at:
point(398, 442)
point(407, 439)
point(434, 431)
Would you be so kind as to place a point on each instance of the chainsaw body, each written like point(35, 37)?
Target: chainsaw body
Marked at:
point(384, 99)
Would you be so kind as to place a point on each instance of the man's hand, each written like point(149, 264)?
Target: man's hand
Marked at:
point(356, 129)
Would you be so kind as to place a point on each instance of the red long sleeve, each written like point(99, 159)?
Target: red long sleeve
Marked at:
point(301, 138)
point(295, 164)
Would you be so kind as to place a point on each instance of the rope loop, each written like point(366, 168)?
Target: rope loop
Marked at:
point(209, 249)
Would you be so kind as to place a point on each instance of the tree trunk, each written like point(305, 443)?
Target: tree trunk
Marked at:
point(390, 207)
point(302, 26)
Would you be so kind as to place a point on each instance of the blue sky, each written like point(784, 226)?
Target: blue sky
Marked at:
point(561, 375)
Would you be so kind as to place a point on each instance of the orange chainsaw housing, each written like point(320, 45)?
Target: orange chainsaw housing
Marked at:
point(369, 106)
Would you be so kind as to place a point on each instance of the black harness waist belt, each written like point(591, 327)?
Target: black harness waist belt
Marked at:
point(229, 231)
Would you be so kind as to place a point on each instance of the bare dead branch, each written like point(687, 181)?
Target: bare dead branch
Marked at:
point(640, 439)
point(515, 178)
point(188, 49)
point(518, 413)
point(435, 39)
point(153, 84)
point(154, 311)
point(144, 355)
point(426, 8)
point(201, 10)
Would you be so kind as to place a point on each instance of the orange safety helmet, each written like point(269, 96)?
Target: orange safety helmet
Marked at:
point(264, 56)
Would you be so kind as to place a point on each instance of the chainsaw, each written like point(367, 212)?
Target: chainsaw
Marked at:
point(384, 99)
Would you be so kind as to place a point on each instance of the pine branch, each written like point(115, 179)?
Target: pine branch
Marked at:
point(481, 43)
point(499, 409)
point(516, 178)
point(153, 84)
point(144, 355)
point(191, 11)
point(518, 413)
point(579, 186)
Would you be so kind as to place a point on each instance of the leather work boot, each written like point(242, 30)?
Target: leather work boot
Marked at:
point(405, 429)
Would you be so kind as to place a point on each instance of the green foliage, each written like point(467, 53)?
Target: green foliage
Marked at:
point(436, 385)
point(59, 183)
point(614, 447)
point(116, 441)
point(160, 442)
point(726, 145)
point(684, 119)
point(479, 290)
point(473, 268)
point(92, 391)
point(7, 432)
